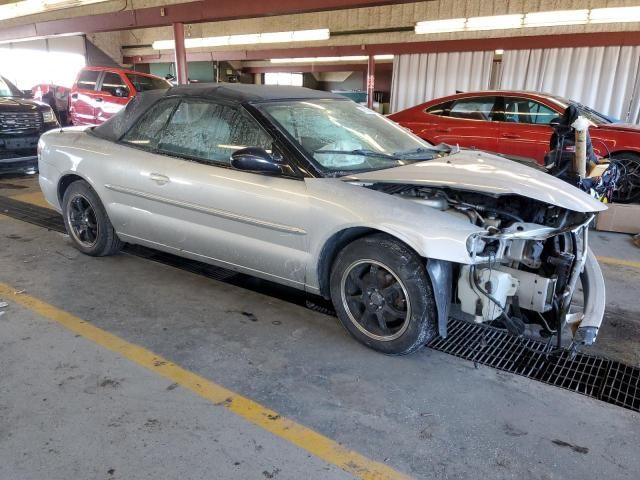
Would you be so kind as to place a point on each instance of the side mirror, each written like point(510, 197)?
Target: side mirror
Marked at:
point(27, 94)
point(121, 92)
point(255, 159)
point(555, 121)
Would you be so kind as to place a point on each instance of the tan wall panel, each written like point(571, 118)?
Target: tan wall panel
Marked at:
point(390, 16)
point(109, 42)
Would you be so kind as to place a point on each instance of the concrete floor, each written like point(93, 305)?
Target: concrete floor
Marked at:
point(71, 409)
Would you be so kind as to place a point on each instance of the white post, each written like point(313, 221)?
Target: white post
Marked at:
point(581, 126)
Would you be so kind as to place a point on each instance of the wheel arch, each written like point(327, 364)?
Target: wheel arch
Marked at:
point(65, 181)
point(340, 239)
point(440, 272)
point(625, 151)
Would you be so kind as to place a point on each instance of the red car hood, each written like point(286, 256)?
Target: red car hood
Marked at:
point(622, 127)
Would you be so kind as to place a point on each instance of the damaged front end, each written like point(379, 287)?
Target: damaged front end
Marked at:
point(531, 272)
point(530, 264)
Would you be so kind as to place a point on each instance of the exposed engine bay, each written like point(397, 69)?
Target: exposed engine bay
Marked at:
point(526, 263)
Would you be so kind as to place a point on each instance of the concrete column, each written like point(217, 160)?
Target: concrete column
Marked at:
point(371, 80)
point(182, 74)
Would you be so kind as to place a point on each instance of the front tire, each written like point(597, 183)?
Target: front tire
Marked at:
point(383, 296)
point(86, 221)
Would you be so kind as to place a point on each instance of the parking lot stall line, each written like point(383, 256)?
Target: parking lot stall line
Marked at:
point(303, 437)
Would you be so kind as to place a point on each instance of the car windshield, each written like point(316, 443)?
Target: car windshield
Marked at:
point(142, 83)
point(7, 89)
point(343, 137)
point(587, 112)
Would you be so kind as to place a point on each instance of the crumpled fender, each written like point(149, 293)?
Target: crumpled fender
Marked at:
point(337, 205)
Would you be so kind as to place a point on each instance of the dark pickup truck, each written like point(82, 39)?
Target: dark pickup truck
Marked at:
point(22, 121)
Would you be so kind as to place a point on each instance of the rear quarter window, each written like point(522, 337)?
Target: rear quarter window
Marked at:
point(442, 109)
point(146, 132)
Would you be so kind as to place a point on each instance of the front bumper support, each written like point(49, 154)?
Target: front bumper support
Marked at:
point(593, 289)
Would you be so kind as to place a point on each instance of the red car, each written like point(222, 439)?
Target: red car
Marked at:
point(98, 92)
point(513, 123)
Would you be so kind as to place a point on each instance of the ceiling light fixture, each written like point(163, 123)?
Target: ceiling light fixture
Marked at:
point(494, 22)
point(557, 17)
point(31, 7)
point(531, 19)
point(441, 26)
point(614, 15)
point(248, 39)
point(348, 58)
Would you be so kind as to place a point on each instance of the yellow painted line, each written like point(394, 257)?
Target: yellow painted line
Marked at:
point(619, 262)
point(311, 441)
point(34, 198)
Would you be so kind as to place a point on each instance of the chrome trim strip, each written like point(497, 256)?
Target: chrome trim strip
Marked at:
point(210, 211)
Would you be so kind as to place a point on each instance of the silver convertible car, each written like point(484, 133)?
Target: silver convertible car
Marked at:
point(314, 191)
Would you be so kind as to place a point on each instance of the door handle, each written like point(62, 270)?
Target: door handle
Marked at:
point(159, 178)
point(99, 99)
point(510, 135)
point(443, 130)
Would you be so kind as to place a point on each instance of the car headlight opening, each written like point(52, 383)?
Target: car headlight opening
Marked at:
point(48, 116)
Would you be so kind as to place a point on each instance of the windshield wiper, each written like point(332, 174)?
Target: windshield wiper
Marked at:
point(441, 148)
point(361, 153)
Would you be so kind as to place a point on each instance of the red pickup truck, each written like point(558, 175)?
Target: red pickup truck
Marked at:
point(100, 92)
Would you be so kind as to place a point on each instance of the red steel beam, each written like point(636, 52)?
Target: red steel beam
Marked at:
point(371, 79)
point(190, 12)
point(509, 43)
point(182, 74)
point(333, 67)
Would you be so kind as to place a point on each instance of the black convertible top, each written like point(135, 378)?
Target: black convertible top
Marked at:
point(234, 93)
point(243, 93)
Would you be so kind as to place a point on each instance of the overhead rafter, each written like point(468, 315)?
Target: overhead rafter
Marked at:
point(513, 43)
point(190, 12)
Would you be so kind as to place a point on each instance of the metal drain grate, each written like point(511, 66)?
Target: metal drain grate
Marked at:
point(621, 386)
point(598, 377)
point(40, 216)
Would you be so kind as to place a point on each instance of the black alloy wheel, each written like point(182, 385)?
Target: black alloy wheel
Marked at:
point(375, 300)
point(87, 222)
point(382, 294)
point(83, 222)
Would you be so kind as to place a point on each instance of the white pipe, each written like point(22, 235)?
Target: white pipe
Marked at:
point(581, 126)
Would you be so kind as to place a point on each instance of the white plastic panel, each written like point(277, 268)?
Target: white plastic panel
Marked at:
point(420, 77)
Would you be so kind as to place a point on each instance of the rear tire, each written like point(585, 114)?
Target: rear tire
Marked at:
point(86, 221)
point(383, 296)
